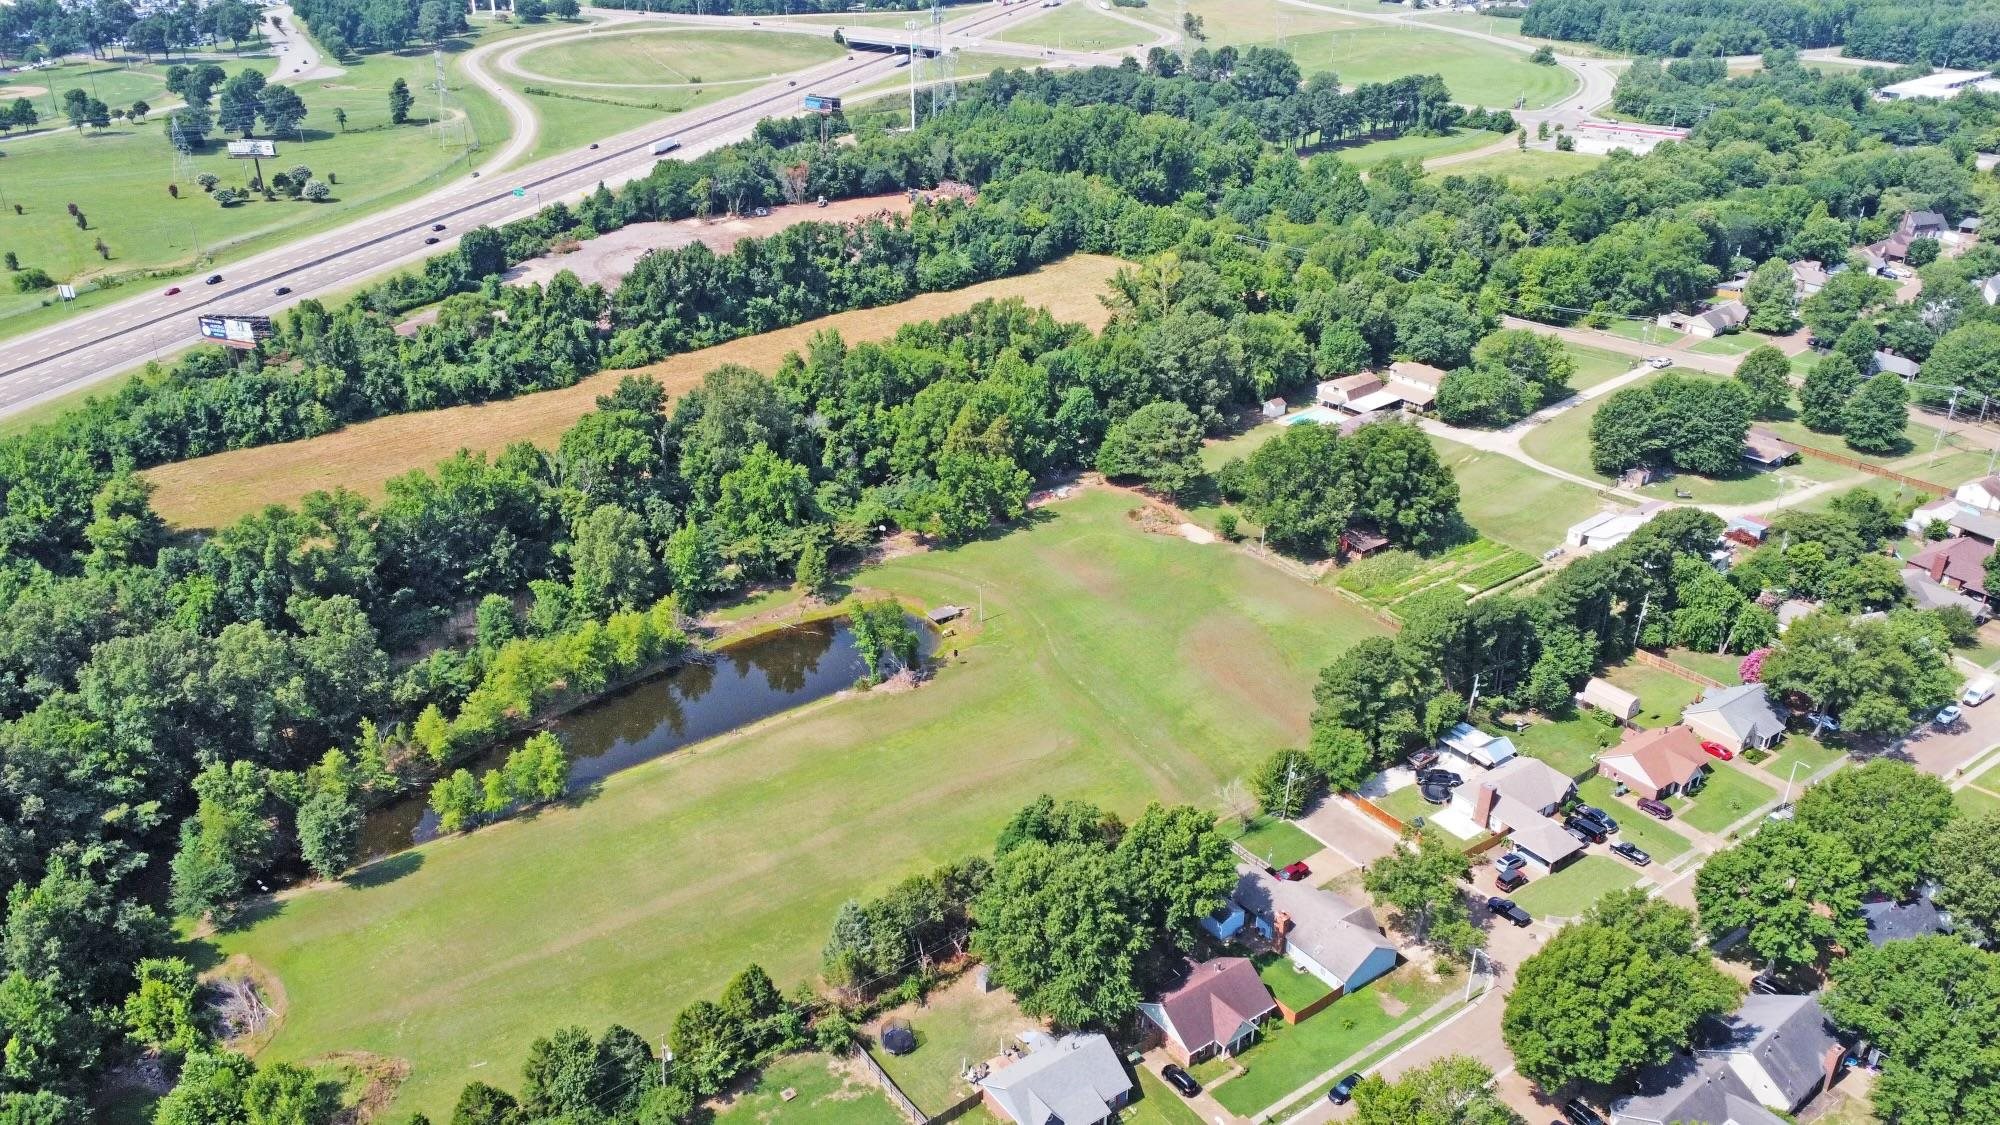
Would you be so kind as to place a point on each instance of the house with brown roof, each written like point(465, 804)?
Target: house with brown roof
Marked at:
point(1958, 563)
point(1417, 383)
point(1655, 763)
point(1726, 316)
point(1764, 448)
point(1344, 391)
point(1215, 1011)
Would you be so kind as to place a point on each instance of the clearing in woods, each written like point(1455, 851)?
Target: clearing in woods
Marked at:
point(212, 491)
point(1113, 666)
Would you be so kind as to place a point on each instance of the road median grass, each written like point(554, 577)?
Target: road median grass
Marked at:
point(1113, 666)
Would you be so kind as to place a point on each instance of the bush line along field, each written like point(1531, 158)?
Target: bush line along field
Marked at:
point(1113, 666)
point(213, 491)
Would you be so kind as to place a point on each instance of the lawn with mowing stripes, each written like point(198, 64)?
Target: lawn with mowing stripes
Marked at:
point(1729, 795)
point(1112, 666)
point(1658, 840)
point(1279, 842)
point(1571, 891)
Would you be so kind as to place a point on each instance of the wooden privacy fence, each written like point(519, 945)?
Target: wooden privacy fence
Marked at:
point(896, 1095)
point(1655, 660)
point(1871, 469)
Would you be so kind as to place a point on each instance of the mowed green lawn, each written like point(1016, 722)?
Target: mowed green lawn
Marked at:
point(1477, 72)
point(1367, 154)
point(675, 57)
point(1527, 168)
point(1077, 26)
point(1114, 666)
point(119, 179)
point(1514, 503)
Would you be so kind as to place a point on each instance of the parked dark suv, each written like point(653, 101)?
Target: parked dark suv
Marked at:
point(1585, 828)
point(1505, 908)
point(1602, 818)
point(1439, 777)
point(1182, 1082)
point(1577, 1113)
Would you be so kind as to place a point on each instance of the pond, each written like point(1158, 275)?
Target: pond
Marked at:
point(741, 684)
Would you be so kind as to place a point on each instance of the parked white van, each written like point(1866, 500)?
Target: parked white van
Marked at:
point(1978, 691)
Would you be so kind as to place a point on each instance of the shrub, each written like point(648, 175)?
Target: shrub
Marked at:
point(31, 279)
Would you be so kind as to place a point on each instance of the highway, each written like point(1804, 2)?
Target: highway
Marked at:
point(93, 346)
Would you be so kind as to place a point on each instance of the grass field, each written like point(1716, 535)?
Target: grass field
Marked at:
point(1733, 343)
point(1511, 29)
point(1512, 502)
point(1596, 365)
point(966, 66)
point(1797, 748)
point(1571, 891)
point(1563, 442)
point(1477, 72)
point(823, 1092)
point(1244, 22)
point(1077, 26)
point(1526, 168)
point(1658, 840)
point(1280, 842)
point(955, 1026)
point(1721, 667)
point(1113, 666)
point(675, 57)
point(1406, 805)
point(115, 83)
point(211, 491)
point(1367, 154)
point(1730, 794)
point(1662, 695)
point(1570, 745)
point(1289, 1056)
point(119, 177)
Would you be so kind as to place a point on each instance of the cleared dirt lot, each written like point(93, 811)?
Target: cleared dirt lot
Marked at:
point(607, 258)
point(212, 491)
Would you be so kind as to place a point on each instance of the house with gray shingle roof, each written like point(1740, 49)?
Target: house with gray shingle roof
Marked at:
point(1773, 1053)
point(1338, 941)
point(1738, 717)
point(1074, 1080)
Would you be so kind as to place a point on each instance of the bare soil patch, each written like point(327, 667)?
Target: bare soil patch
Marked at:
point(607, 258)
point(212, 491)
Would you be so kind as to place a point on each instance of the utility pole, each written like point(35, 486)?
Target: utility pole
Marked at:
point(1788, 785)
point(912, 26)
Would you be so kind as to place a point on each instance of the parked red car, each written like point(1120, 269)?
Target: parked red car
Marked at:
point(1718, 750)
point(1658, 810)
point(1295, 872)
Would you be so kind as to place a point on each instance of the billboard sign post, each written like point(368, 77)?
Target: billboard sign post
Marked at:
point(254, 152)
point(235, 331)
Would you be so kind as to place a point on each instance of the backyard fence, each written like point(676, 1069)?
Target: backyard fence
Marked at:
point(1655, 660)
point(1872, 470)
point(1377, 812)
point(896, 1095)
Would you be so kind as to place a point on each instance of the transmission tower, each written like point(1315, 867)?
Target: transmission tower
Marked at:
point(1180, 17)
point(438, 86)
point(944, 66)
point(183, 163)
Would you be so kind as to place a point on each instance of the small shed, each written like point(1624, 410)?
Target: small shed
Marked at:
point(1274, 408)
point(1609, 698)
point(1357, 542)
point(897, 1038)
point(945, 613)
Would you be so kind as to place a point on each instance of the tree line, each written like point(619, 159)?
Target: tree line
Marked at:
point(1944, 33)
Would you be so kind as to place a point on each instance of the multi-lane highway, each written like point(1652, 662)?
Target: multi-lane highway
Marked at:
point(98, 344)
point(93, 346)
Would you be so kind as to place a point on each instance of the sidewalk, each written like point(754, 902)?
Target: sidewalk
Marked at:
point(1347, 1065)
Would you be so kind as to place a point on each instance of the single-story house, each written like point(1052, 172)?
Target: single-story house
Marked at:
point(1475, 746)
point(1895, 365)
point(1338, 941)
point(1774, 1053)
point(1897, 921)
point(1656, 763)
point(1739, 717)
point(1809, 277)
point(1763, 447)
point(1726, 316)
point(1927, 594)
point(1606, 530)
point(1958, 563)
point(1215, 1011)
point(1983, 494)
point(1416, 383)
point(1520, 798)
point(1609, 698)
point(1344, 390)
point(1962, 518)
point(1074, 1080)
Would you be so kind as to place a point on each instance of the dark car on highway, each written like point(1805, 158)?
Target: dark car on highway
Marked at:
point(1505, 908)
point(213, 279)
point(281, 290)
point(1182, 1082)
point(1343, 1089)
point(431, 241)
point(437, 226)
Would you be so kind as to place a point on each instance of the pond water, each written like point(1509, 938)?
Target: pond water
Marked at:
point(743, 683)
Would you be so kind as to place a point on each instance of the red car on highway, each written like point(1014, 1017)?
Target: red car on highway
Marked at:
point(173, 292)
point(1718, 750)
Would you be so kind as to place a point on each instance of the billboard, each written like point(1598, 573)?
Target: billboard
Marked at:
point(235, 331)
point(821, 103)
point(251, 150)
